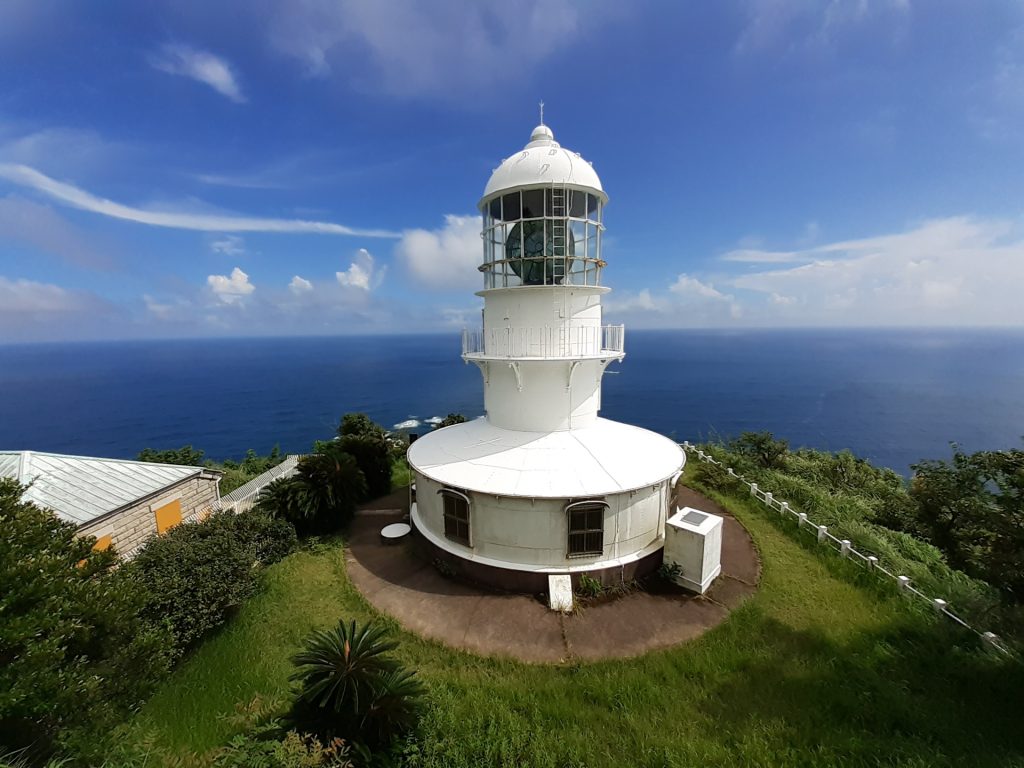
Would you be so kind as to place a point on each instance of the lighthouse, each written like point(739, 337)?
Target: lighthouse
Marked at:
point(541, 485)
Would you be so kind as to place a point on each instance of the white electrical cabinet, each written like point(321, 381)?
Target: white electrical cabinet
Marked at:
point(693, 541)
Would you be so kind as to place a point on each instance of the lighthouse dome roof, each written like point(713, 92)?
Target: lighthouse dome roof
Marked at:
point(543, 161)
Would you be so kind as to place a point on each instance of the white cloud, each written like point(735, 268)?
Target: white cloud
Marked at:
point(31, 310)
point(229, 245)
point(955, 271)
point(798, 24)
point(406, 48)
point(758, 256)
point(201, 222)
point(39, 227)
point(159, 310)
point(300, 285)
point(445, 258)
point(697, 294)
point(183, 60)
point(691, 286)
point(362, 272)
point(231, 289)
point(17, 296)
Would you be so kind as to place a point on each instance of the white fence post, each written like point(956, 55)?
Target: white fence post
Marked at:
point(844, 547)
point(939, 604)
point(822, 530)
point(902, 582)
point(753, 489)
point(872, 562)
point(801, 519)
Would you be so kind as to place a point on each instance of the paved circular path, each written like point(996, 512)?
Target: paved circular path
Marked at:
point(398, 582)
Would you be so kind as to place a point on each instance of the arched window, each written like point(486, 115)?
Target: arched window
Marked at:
point(456, 516)
point(586, 527)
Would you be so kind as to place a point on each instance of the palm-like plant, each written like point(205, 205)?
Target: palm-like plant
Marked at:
point(350, 686)
point(330, 486)
point(280, 498)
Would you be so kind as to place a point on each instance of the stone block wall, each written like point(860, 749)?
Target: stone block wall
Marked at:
point(131, 526)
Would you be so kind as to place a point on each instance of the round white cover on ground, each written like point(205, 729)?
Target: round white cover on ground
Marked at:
point(395, 530)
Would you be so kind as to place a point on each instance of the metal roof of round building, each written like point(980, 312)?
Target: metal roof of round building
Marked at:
point(602, 459)
point(543, 161)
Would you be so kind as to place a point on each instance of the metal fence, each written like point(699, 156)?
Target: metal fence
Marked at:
point(846, 550)
point(243, 498)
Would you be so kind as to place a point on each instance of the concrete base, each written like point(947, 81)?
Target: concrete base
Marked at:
point(696, 586)
point(529, 582)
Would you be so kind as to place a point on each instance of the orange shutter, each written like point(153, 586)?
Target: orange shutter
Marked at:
point(168, 516)
point(103, 543)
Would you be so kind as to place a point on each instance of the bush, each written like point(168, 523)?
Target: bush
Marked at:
point(294, 750)
point(360, 425)
point(272, 538)
point(196, 574)
point(451, 419)
point(373, 456)
point(186, 456)
point(351, 687)
point(329, 486)
point(75, 656)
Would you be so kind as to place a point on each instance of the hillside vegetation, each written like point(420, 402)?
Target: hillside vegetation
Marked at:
point(956, 528)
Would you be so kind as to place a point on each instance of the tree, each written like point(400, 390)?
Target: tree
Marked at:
point(373, 455)
point(330, 486)
point(762, 448)
point(75, 656)
point(972, 508)
point(450, 419)
point(185, 456)
point(351, 687)
point(360, 424)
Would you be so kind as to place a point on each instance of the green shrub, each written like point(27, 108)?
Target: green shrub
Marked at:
point(373, 456)
point(351, 687)
point(196, 574)
point(329, 486)
point(75, 656)
point(272, 538)
point(589, 586)
point(294, 750)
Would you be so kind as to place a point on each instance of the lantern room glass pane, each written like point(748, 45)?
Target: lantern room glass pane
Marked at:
point(510, 206)
point(577, 203)
point(495, 209)
point(533, 203)
point(593, 208)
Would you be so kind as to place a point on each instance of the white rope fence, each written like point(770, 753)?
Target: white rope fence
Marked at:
point(846, 550)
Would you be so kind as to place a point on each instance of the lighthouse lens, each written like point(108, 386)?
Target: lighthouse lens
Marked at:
point(539, 251)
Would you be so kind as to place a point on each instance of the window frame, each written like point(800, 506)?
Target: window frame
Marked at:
point(584, 507)
point(455, 495)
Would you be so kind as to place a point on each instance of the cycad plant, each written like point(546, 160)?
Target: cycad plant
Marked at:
point(330, 486)
point(350, 686)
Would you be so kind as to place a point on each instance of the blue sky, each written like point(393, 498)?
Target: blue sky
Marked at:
point(177, 169)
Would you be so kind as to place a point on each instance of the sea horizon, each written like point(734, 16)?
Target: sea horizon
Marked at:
point(894, 396)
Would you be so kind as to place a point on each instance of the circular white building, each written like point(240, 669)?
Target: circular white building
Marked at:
point(541, 484)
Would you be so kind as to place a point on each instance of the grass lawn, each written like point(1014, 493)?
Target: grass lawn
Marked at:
point(814, 670)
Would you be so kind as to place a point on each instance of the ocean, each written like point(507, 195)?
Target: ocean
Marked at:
point(891, 396)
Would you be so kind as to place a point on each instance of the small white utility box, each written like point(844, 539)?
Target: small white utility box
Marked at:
point(693, 539)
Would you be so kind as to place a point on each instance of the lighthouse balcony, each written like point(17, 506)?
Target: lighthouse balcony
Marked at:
point(544, 343)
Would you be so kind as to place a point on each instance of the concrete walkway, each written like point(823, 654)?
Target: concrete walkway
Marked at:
point(398, 582)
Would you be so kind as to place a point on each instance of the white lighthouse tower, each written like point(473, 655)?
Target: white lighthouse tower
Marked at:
point(541, 485)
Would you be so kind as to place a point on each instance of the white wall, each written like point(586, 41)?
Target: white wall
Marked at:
point(534, 533)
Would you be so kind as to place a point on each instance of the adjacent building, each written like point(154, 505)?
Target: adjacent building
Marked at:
point(122, 503)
